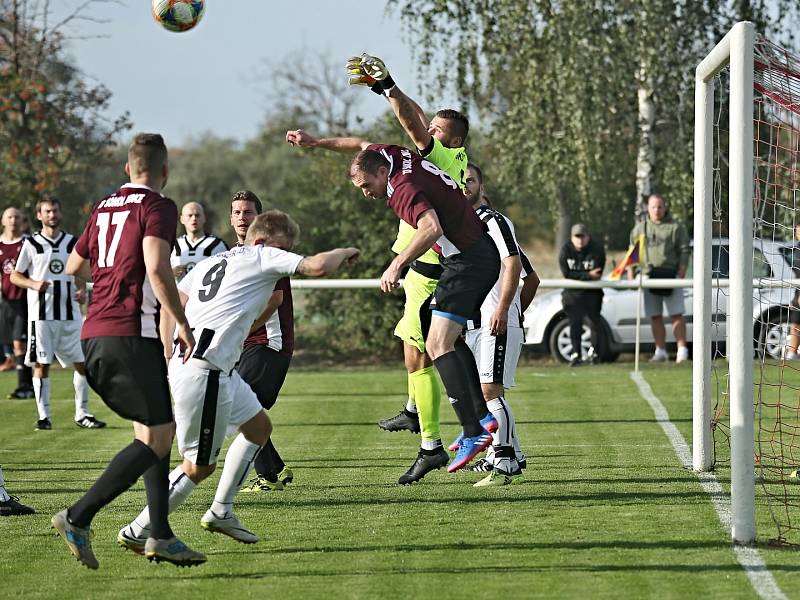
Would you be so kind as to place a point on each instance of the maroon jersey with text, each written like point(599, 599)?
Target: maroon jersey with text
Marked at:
point(278, 331)
point(9, 252)
point(123, 303)
point(416, 185)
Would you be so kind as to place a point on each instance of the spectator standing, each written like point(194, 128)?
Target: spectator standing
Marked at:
point(582, 259)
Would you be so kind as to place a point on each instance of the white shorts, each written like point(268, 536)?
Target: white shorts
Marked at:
point(654, 304)
point(47, 339)
point(208, 405)
point(496, 356)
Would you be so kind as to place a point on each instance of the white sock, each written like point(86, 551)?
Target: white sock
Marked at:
point(180, 486)
point(411, 406)
point(505, 421)
point(432, 445)
point(3, 492)
point(41, 388)
point(238, 462)
point(515, 443)
point(81, 395)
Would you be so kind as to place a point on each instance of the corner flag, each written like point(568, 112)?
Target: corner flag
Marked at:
point(634, 256)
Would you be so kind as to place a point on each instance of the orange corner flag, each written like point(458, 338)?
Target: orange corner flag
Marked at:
point(634, 256)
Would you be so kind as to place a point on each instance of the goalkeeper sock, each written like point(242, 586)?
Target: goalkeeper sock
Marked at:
point(238, 461)
point(180, 486)
point(428, 397)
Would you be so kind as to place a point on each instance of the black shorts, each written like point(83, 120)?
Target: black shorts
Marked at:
point(264, 370)
point(13, 320)
point(130, 375)
point(467, 278)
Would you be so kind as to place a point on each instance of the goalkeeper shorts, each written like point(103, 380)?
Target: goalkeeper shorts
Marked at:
point(413, 326)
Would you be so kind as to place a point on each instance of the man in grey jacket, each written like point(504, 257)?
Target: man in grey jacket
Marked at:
point(667, 254)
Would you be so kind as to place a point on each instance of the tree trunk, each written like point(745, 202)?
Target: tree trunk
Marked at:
point(563, 217)
point(646, 157)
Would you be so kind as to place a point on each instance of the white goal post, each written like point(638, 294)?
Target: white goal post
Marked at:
point(736, 51)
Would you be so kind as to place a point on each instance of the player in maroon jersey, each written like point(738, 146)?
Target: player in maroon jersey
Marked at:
point(425, 197)
point(13, 305)
point(124, 250)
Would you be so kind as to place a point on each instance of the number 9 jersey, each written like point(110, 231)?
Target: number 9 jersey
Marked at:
point(227, 292)
point(123, 303)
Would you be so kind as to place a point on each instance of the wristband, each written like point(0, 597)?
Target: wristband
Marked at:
point(377, 88)
point(387, 83)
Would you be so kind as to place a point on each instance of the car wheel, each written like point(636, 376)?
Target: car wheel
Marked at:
point(773, 334)
point(561, 346)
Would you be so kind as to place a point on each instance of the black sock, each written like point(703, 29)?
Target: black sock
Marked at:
point(455, 379)
point(474, 380)
point(268, 462)
point(120, 474)
point(24, 375)
point(156, 485)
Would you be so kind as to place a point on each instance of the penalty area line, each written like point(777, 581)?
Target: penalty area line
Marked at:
point(748, 557)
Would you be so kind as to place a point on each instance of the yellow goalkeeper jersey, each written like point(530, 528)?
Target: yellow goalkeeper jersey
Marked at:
point(452, 161)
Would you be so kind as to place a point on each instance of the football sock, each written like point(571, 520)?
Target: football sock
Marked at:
point(3, 493)
point(81, 395)
point(238, 461)
point(411, 404)
point(451, 370)
point(505, 421)
point(156, 485)
point(120, 474)
point(474, 381)
point(428, 396)
point(505, 459)
point(180, 486)
point(24, 373)
point(430, 447)
point(41, 389)
point(269, 463)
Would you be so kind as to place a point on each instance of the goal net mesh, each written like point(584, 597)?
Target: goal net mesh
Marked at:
point(776, 147)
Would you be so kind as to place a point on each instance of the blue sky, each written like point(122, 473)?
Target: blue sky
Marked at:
point(182, 84)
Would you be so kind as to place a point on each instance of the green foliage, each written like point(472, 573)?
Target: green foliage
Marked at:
point(53, 131)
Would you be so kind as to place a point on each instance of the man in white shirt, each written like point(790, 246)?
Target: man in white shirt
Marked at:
point(223, 296)
point(195, 245)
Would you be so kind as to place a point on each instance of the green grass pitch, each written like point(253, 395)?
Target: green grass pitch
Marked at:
point(604, 510)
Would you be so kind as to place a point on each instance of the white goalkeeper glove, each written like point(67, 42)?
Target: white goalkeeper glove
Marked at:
point(370, 71)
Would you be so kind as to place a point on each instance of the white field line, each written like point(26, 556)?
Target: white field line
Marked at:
point(754, 566)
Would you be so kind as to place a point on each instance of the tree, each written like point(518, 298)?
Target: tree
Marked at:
point(52, 125)
point(559, 86)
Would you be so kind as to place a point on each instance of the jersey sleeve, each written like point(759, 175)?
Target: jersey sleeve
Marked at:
point(452, 161)
point(25, 258)
point(161, 220)
point(527, 267)
point(275, 260)
point(502, 234)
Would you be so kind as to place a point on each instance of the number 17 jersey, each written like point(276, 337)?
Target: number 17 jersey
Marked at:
point(123, 303)
point(227, 292)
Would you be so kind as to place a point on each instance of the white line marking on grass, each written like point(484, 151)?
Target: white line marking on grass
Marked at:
point(754, 566)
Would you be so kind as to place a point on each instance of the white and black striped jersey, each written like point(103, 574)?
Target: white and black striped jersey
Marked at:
point(45, 260)
point(227, 293)
point(501, 230)
point(186, 254)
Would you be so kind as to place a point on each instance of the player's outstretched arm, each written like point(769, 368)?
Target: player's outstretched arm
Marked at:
point(428, 231)
point(156, 259)
point(411, 116)
point(326, 263)
point(298, 137)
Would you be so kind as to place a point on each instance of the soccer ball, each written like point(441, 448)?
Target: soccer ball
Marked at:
point(178, 15)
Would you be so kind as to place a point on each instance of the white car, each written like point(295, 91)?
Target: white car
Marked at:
point(547, 326)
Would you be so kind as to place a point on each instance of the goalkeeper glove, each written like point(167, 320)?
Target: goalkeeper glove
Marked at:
point(370, 71)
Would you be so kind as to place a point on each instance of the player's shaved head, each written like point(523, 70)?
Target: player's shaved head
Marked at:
point(147, 155)
point(192, 207)
point(12, 221)
point(273, 226)
point(367, 161)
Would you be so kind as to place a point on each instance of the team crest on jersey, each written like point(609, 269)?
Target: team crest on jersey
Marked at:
point(56, 267)
point(8, 265)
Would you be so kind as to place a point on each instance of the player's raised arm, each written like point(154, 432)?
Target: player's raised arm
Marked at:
point(298, 137)
point(326, 263)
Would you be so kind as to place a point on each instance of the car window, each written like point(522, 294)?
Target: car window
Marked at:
point(761, 266)
point(719, 262)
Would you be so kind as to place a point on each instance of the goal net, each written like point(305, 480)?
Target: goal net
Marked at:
point(754, 421)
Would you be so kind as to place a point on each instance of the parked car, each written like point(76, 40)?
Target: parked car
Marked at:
point(547, 327)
